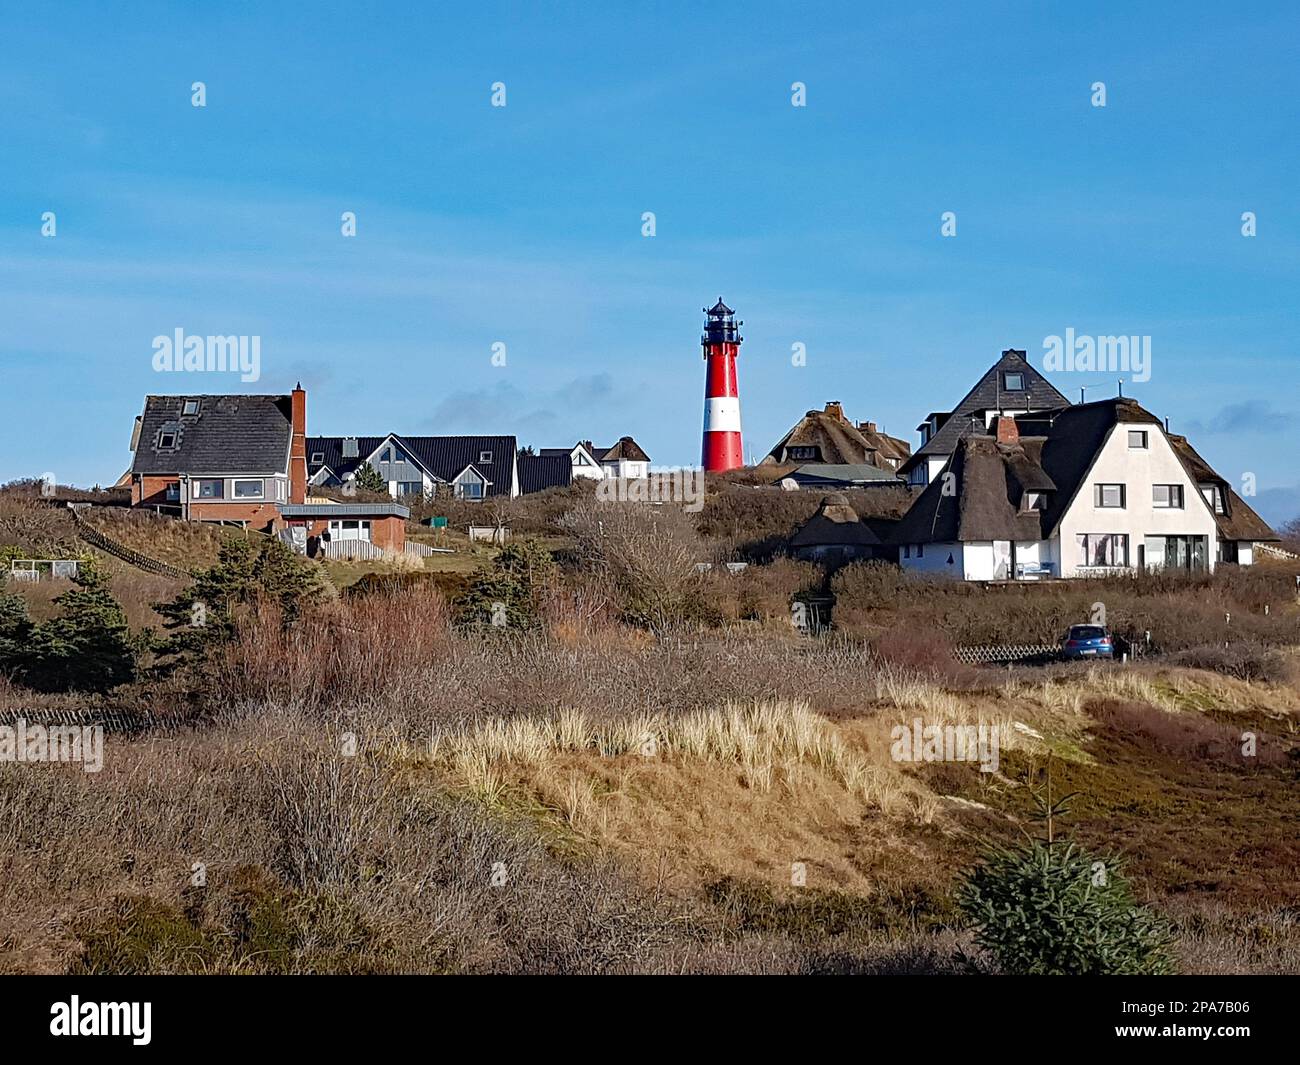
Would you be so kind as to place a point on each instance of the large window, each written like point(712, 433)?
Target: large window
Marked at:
point(1167, 496)
point(248, 489)
point(213, 489)
point(410, 488)
point(1108, 495)
point(349, 530)
point(469, 490)
point(1103, 549)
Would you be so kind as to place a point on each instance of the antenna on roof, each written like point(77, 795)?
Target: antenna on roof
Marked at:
point(1121, 388)
point(1083, 394)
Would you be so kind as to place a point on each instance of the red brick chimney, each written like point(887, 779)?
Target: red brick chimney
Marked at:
point(835, 409)
point(298, 446)
point(1008, 431)
point(867, 427)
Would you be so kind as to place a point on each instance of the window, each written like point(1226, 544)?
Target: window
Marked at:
point(1013, 382)
point(166, 441)
point(469, 490)
point(248, 489)
point(802, 452)
point(1108, 495)
point(387, 455)
point(318, 458)
point(190, 406)
point(215, 489)
point(1137, 439)
point(1035, 501)
point(349, 530)
point(410, 488)
point(485, 456)
point(920, 550)
point(1103, 549)
point(172, 493)
point(1214, 496)
point(1168, 496)
point(907, 550)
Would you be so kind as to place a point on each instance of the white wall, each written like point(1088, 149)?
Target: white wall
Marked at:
point(935, 559)
point(1138, 470)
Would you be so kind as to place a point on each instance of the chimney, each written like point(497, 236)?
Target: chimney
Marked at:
point(1008, 431)
point(867, 427)
point(835, 409)
point(298, 446)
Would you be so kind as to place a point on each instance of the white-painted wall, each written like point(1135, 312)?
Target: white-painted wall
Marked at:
point(935, 559)
point(1138, 470)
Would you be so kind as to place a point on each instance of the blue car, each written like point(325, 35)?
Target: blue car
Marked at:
point(1087, 641)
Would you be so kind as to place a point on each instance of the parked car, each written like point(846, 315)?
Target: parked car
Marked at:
point(1087, 641)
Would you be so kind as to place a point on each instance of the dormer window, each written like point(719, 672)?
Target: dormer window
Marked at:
point(167, 441)
point(485, 456)
point(1013, 382)
point(190, 406)
point(1035, 501)
point(803, 452)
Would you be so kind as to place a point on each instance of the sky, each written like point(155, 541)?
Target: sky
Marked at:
point(523, 225)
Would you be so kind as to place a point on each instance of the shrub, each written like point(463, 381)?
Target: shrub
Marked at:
point(245, 573)
point(88, 647)
point(650, 555)
point(509, 592)
point(1044, 909)
point(1245, 660)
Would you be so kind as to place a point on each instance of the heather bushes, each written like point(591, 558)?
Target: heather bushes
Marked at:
point(1179, 611)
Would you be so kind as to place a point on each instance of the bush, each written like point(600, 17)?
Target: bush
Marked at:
point(508, 593)
point(1047, 909)
point(88, 647)
point(650, 556)
point(1245, 660)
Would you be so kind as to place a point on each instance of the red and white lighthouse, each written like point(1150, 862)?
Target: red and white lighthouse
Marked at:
point(721, 341)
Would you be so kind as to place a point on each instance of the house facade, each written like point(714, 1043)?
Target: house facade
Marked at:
point(1087, 490)
point(419, 467)
point(221, 458)
point(582, 459)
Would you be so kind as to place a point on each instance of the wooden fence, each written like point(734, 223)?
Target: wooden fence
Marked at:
point(350, 549)
point(110, 546)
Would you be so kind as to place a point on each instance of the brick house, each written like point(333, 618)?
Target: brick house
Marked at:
point(232, 459)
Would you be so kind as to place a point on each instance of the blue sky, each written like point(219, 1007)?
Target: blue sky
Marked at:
point(522, 225)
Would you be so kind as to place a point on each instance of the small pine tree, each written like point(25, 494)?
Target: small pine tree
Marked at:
point(245, 573)
point(368, 479)
point(508, 592)
point(1048, 908)
point(88, 647)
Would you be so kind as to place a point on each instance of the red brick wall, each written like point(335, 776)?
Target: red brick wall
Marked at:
point(151, 490)
point(387, 532)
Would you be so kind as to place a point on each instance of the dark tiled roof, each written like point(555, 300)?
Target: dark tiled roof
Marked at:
point(230, 434)
point(1239, 522)
point(445, 457)
point(539, 472)
point(812, 474)
point(988, 394)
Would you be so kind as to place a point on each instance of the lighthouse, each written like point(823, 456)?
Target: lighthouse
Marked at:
point(721, 342)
